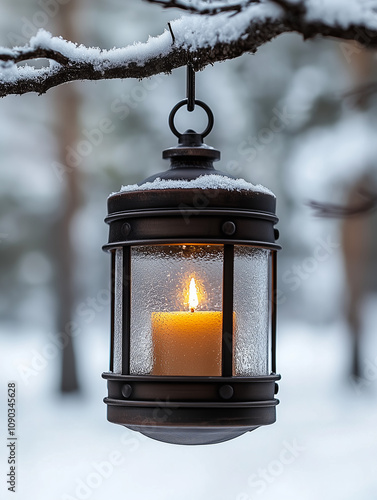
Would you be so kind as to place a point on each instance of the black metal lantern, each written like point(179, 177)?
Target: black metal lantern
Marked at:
point(193, 330)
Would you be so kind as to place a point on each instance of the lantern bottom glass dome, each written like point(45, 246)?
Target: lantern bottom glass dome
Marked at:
point(192, 436)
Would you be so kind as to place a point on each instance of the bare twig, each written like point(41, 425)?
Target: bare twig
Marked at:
point(361, 92)
point(172, 33)
point(330, 210)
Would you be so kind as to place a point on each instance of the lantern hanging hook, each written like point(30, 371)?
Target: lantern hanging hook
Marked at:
point(190, 101)
point(190, 87)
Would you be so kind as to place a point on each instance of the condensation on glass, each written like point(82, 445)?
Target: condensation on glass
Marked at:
point(118, 307)
point(170, 336)
point(252, 312)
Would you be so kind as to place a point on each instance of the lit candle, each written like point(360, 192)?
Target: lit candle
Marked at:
point(187, 343)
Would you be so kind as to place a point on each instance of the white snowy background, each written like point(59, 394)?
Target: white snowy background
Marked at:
point(324, 443)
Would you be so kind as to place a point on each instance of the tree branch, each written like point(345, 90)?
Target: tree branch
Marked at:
point(203, 8)
point(26, 53)
point(199, 39)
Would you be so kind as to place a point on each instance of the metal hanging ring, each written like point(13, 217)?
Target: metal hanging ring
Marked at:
point(202, 105)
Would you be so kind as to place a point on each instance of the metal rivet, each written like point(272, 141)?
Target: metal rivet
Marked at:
point(126, 229)
point(276, 234)
point(276, 388)
point(229, 228)
point(126, 390)
point(226, 391)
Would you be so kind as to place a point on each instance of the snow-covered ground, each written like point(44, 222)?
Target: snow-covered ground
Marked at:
point(323, 446)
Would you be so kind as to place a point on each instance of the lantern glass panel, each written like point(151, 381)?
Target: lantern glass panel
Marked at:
point(252, 326)
point(118, 305)
point(176, 310)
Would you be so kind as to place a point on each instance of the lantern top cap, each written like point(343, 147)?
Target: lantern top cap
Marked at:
point(190, 145)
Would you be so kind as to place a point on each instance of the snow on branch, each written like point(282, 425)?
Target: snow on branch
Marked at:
point(202, 38)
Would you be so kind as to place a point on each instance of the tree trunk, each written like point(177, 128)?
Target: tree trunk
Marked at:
point(355, 254)
point(355, 231)
point(67, 103)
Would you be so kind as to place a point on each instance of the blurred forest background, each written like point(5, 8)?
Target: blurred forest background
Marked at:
point(282, 120)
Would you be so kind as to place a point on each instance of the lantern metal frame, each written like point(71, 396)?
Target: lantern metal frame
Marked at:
point(191, 409)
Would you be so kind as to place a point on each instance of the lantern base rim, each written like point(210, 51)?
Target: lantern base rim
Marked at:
point(191, 410)
point(190, 388)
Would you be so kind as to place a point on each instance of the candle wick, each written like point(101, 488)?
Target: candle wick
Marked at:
point(192, 309)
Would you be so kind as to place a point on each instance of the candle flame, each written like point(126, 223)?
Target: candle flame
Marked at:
point(193, 296)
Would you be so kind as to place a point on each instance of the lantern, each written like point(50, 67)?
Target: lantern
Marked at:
point(193, 325)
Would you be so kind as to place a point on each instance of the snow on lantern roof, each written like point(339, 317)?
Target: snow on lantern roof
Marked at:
point(212, 181)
